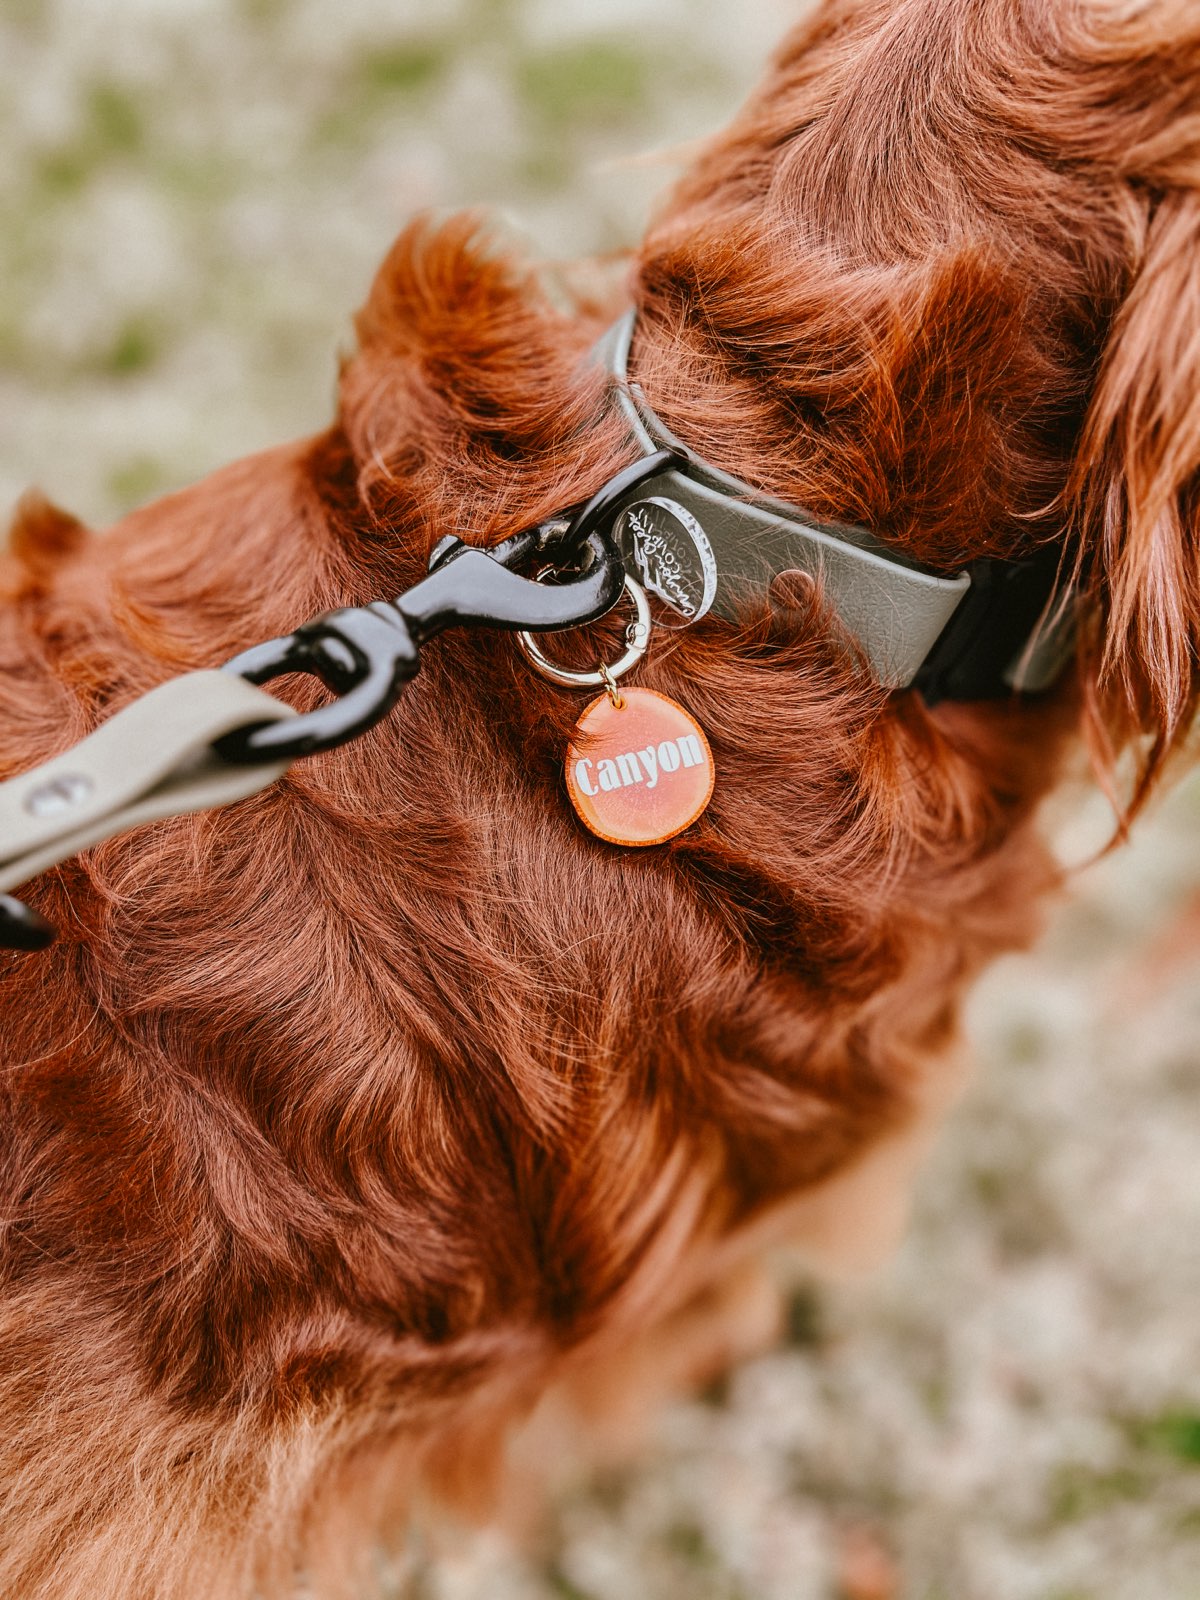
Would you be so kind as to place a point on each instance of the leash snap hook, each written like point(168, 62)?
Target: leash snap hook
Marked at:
point(366, 654)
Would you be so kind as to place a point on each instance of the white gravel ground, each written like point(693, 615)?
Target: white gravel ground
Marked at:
point(195, 194)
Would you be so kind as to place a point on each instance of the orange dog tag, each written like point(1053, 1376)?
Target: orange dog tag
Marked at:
point(639, 772)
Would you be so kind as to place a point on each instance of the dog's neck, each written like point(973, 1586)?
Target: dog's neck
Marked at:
point(700, 538)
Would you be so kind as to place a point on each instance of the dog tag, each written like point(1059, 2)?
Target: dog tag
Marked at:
point(639, 772)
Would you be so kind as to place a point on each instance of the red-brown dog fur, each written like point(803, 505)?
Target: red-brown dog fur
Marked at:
point(341, 1124)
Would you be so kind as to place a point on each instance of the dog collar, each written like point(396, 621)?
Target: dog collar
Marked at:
point(700, 539)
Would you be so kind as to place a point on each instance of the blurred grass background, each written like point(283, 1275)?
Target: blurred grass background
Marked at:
point(195, 194)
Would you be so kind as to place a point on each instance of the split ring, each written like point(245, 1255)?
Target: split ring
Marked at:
point(637, 638)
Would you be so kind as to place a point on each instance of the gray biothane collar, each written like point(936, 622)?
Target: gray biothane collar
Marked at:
point(700, 539)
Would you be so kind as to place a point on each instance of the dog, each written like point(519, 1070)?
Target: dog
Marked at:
point(343, 1126)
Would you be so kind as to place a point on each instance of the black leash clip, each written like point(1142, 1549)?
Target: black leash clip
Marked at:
point(20, 926)
point(366, 654)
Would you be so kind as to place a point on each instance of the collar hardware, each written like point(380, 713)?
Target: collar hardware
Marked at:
point(700, 539)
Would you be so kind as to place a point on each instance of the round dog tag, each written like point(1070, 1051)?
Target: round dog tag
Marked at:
point(639, 772)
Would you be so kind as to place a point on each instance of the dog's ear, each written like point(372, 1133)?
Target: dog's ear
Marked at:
point(1136, 490)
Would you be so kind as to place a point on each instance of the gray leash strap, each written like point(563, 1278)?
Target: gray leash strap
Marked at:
point(151, 760)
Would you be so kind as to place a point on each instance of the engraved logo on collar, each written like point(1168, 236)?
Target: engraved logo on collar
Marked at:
point(669, 550)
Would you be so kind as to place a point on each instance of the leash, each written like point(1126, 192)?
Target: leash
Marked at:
point(214, 737)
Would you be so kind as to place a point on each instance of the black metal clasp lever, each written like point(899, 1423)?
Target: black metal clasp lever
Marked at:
point(20, 926)
point(366, 654)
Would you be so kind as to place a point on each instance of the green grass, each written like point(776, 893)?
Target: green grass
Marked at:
point(1078, 1491)
point(112, 129)
point(403, 68)
point(599, 81)
point(114, 121)
point(136, 480)
point(687, 1540)
point(1156, 1444)
point(805, 1323)
point(136, 348)
point(1173, 1433)
point(562, 1587)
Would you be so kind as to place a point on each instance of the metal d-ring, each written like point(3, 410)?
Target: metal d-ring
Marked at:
point(637, 638)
